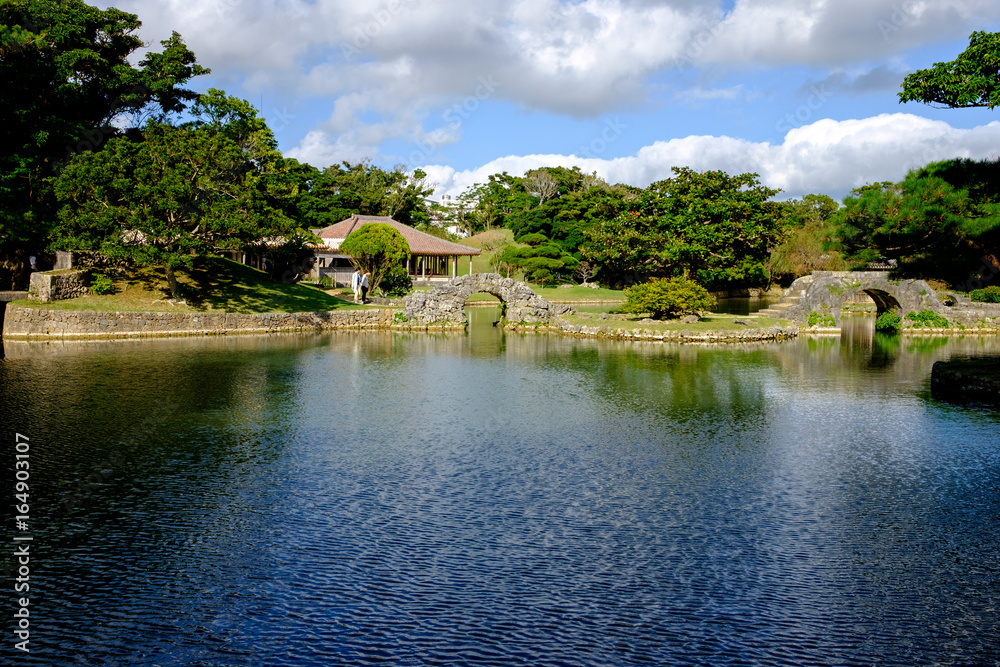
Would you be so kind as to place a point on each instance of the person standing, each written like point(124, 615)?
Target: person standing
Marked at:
point(356, 284)
point(364, 287)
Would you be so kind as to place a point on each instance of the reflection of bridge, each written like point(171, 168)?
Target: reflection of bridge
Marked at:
point(825, 292)
point(446, 303)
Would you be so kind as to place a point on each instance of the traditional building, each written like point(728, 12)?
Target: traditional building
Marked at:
point(432, 259)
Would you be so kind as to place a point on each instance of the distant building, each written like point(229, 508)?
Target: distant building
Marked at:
point(432, 259)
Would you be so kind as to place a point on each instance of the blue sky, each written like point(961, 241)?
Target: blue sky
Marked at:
point(802, 92)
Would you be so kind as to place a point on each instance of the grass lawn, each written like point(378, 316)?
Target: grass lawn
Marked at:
point(710, 322)
point(213, 285)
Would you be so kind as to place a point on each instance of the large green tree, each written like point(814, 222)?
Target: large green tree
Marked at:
point(971, 80)
point(341, 190)
point(712, 227)
point(216, 183)
point(941, 221)
point(69, 87)
point(376, 248)
point(812, 242)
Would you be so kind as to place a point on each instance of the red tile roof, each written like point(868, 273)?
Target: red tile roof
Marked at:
point(420, 243)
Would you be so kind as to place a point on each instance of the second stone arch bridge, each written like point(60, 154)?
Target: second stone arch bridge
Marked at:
point(825, 292)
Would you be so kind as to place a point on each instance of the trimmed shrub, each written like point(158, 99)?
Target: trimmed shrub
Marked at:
point(989, 294)
point(667, 297)
point(888, 322)
point(397, 282)
point(101, 284)
point(927, 319)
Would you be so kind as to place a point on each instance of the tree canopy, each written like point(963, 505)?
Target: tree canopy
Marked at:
point(341, 190)
point(69, 88)
point(376, 248)
point(971, 80)
point(942, 220)
point(712, 227)
point(216, 183)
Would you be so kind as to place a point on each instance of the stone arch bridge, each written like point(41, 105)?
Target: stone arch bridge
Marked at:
point(825, 292)
point(445, 304)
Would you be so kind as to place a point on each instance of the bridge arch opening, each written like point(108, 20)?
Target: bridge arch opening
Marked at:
point(884, 302)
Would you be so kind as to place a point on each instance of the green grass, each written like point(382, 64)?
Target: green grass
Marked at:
point(710, 322)
point(213, 285)
point(577, 293)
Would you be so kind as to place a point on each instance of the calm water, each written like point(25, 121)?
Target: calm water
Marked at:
point(498, 499)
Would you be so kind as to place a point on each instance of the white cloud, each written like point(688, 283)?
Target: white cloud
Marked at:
point(827, 157)
point(383, 68)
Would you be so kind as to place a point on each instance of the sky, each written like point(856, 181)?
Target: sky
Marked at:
point(801, 92)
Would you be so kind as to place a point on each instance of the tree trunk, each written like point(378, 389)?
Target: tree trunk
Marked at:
point(175, 288)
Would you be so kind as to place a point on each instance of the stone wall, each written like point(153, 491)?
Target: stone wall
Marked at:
point(683, 336)
point(58, 286)
point(23, 322)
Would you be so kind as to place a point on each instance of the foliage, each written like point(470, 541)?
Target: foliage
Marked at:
point(341, 190)
point(397, 282)
point(542, 261)
point(506, 260)
point(971, 80)
point(101, 284)
point(667, 297)
point(821, 319)
point(717, 228)
point(216, 183)
point(928, 319)
point(811, 243)
point(941, 220)
point(69, 87)
point(375, 248)
point(888, 321)
point(989, 294)
point(326, 282)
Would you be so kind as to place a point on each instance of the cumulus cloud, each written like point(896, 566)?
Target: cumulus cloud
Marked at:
point(826, 157)
point(385, 68)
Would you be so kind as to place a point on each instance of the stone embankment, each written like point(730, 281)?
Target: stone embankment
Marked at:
point(681, 336)
point(23, 322)
point(967, 380)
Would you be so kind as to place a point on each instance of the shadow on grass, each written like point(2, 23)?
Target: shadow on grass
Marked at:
point(216, 284)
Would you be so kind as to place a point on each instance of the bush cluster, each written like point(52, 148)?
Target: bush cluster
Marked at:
point(888, 322)
point(667, 297)
point(989, 294)
point(397, 282)
point(101, 284)
point(928, 319)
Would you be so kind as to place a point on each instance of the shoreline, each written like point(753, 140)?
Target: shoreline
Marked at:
point(39, 324)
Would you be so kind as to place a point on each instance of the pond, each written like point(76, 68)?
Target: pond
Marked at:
point(367, 498)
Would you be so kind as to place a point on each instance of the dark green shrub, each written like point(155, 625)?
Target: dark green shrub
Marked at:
point(888, 322)
point(397, 282)
point(326, 281)
point(667, 297)
point(989, 294)
point(101, 284)
point(927, 319)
